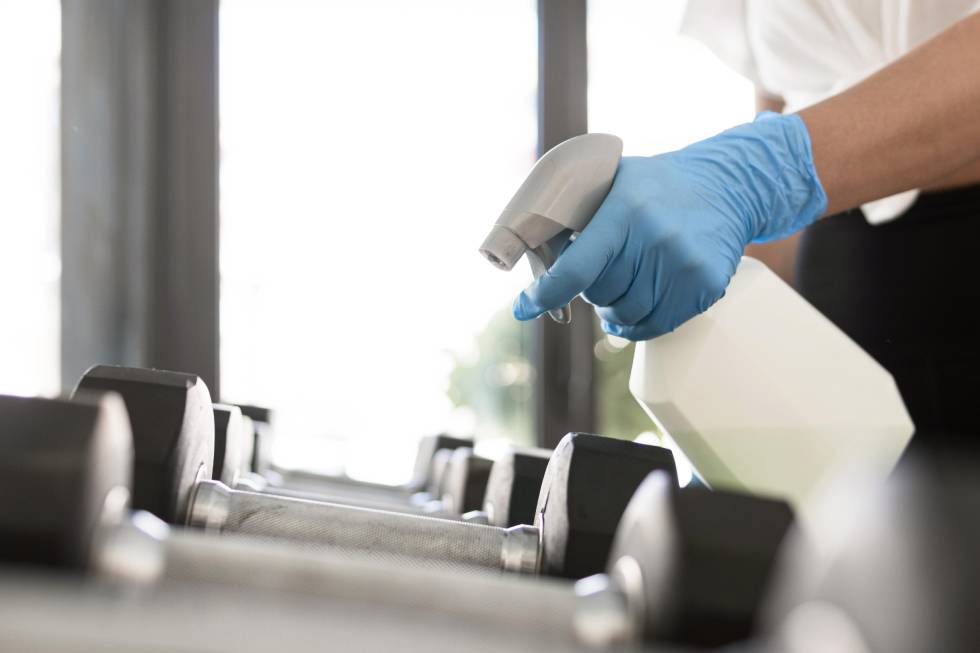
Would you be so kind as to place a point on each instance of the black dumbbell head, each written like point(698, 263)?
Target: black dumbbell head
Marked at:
point(437, 475)
point(428, 447)
point(257, 413)
point(173, 433)
point(262, 434)
point(587, 485)
point(262, 445)
point(248, 445)
point(466, 481)
point(697, 562)
point(62, 460)
point(514, 486)
point(229, 446)
point(894, 566)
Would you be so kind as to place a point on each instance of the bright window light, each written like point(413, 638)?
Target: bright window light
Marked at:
point(30, 258)
point(658, 91)
point(366, 149)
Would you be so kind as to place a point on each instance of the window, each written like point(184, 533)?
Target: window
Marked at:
point(367, 147)
point(30, 45)
point(659, 91)
point(655, 88)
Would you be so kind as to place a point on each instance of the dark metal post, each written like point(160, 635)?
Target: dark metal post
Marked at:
point(139, 185)
point(187, 273)
point(565, 397)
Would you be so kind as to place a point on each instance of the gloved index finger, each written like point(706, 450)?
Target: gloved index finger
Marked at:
point(575, 270)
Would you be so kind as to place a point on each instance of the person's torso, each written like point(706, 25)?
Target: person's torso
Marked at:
point(807, 50)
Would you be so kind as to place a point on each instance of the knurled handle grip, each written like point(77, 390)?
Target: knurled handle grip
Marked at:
point(375, 532)
point(541, 605)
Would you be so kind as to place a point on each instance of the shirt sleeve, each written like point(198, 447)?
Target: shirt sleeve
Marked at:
point(723, 28)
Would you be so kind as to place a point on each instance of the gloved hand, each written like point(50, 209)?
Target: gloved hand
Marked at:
point(666, 240)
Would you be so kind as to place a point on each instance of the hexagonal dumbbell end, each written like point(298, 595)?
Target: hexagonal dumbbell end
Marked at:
point(428, 447)
point(695, 563)
point(514, 486)
point(230, 446)
point(438, 474)
point(890, 567)
point(173, 432)
point(65, 466)
point(587, 485)
point(466, 481)
point(263, 436)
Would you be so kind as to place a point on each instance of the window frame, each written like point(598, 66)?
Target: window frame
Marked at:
point(139, 177)
point(140, 217)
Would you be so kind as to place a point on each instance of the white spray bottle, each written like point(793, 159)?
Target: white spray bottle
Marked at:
point(761, 392)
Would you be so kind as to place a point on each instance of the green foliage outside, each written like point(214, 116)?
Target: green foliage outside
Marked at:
point(618, 413)
point(495, 380)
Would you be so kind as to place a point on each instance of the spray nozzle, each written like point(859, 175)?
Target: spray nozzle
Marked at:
point(560, 195)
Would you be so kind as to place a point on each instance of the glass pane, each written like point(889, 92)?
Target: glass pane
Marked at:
point(659, 91)
point(367, 148)
point(30, 258)
point(653, 87)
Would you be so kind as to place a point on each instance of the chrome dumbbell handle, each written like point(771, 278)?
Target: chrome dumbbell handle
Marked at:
point(511, 601)
point(374, 503)
point(424, 540)
point(142, 549)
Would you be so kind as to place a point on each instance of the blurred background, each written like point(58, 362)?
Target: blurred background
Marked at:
point(286, 197)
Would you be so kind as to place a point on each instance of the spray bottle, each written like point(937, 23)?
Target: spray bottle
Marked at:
point(558, 198)
point(761, 392)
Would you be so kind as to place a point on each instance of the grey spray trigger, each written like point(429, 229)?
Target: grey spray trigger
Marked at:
point(560, 195)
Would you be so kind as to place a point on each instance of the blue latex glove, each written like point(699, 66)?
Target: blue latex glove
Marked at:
point(666, 240)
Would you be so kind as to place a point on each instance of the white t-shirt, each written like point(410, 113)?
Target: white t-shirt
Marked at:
point(807, 50)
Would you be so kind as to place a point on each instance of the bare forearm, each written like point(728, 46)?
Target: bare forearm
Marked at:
point(907, 126)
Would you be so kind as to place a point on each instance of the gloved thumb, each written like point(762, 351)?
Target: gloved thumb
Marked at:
point(576, 270)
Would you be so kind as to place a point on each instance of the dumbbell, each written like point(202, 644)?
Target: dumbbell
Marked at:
point(45, 614)
point(589, 481)
point(437, 482)
point(419, 495)
point(234, 450)
point(502, 492)
point(263, 436)
point(686, 565)
point(65, 467)
point(891, 568)
point(466, 477)
point(513, 486)
point(230, 434)
point(55, 614)
point(418, 490)
point(510, 489)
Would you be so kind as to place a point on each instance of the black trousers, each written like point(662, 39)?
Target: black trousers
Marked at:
point(908, 292)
